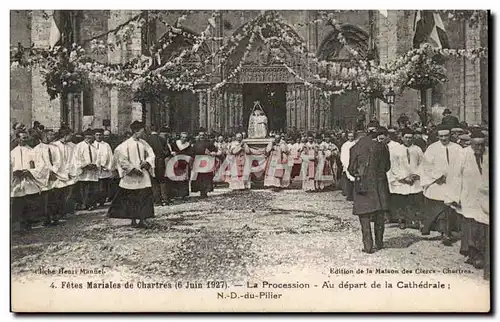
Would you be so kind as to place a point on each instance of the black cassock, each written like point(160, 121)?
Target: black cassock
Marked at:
point(203, 181)
point(181, 188)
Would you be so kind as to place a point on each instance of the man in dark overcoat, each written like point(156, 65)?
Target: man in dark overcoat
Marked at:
point(159, 183)
point(369, 162)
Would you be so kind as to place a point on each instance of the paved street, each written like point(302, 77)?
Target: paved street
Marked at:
point(229, 236)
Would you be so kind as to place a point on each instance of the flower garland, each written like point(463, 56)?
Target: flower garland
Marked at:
point(71, 70)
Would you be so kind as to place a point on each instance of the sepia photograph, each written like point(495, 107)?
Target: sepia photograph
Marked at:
point(249, 160)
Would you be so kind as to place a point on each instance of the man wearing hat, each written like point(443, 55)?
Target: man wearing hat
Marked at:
point(418, 139)
point(86, 170)
point(441, 160)
point(69, 183)
point(25, 185)
point(467, 199)
point(205, 153)
point(105, 165)
point(369, 162)
point(455, 133)
point(450, 120)
point(404, 181)
point(464, 140)
point(159, 184)
point(135, 161)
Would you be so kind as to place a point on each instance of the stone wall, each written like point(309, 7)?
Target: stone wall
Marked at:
point(44, 110)
point(20, 78)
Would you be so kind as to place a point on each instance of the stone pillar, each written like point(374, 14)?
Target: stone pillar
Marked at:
point(293, 106)
point(44, 110)
point(122, 109)
point(210, 111)
point(239, 104)
point(387, 44)
point(472, 112)
point(288, 107)
point(309, 109)
point(202, 104)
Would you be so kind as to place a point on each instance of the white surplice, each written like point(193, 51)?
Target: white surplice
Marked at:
point(128, 155)
point(20, 159)
point(67, 168)
point(83, 155)
point(467, 186)
point(104, 159)
point(344, 157)
point(48, 159)
point(405, 161)
point(435, 165)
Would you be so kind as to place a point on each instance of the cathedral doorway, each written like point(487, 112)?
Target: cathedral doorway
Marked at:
point(272, 98)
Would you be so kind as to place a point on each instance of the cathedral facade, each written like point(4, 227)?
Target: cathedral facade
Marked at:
point(286, 100)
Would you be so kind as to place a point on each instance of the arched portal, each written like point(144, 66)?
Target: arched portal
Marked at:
point(263, 76)
point(179, 110)
point(344, 108)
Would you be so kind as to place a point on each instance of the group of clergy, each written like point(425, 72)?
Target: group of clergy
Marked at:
point(430, 179)
point(440, 184)
point(57, 176)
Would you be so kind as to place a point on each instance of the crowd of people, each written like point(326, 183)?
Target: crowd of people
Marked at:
point(418, 177)
point(433, 179)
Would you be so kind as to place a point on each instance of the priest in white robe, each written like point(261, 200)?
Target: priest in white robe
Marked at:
point(135, 160)
point(237, 158)
point(347, 179)
point(467, 197)
point(309, 164)
point(104, 166)
point(441, 161)
point(277, 172)
point(66, 179)
point(48, 164)
point(404, 181)
point(86, 170)
point(25, 188)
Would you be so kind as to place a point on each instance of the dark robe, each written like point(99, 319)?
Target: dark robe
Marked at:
point(132, 204)
point(204, 181)
point(181, 188)
point(159, 146)
point(370, 161)
point(451, 121)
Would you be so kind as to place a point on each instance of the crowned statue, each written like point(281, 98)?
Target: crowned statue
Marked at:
point(257, 124)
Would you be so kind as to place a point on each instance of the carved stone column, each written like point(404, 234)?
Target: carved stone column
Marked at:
point(301, 107)
point(210, 112)
point(202, 105)
point(293, 106)
point(289, 106)
point(239, 106)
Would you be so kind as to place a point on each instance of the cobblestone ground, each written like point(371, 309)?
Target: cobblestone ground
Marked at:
point(230, 236)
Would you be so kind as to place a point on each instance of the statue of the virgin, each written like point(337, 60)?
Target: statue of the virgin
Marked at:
point(257, 124)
